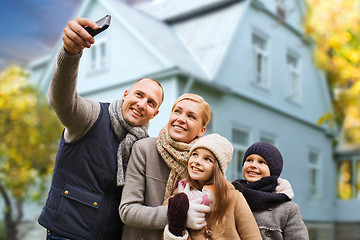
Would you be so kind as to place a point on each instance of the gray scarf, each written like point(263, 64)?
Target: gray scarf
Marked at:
point(127, 135)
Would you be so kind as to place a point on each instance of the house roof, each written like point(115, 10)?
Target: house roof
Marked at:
point(170, 9)
point(205, 27)
point(158, 37)
point(195, 46)
point(209, 36)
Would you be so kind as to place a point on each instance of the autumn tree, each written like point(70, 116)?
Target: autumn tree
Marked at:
point(335, 28)
point(29, 133)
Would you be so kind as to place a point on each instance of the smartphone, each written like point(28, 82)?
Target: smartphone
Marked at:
point(103, 23)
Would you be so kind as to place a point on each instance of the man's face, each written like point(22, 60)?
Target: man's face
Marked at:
point(141, 102)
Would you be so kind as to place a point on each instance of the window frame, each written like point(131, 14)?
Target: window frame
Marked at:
point(314, 189)
point(264, 137)
point(259, 43)
point(293, 90)
point(99, 62)
point(239, 148)
point(281, 12)
point(354, 177)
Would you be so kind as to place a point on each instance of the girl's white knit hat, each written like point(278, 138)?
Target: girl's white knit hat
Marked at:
point(219, 146)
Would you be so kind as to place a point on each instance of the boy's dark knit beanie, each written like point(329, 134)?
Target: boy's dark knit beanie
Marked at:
point(268, 152)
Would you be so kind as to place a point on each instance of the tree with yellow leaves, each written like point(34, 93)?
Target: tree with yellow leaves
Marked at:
point(335, 28)
point(29, 133)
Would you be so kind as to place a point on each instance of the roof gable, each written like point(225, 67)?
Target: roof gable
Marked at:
point(157, 36)
point(208, 36)
point(205, 27)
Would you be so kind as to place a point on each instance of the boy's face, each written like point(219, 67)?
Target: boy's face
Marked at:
point(201, 165)
point(255, 167)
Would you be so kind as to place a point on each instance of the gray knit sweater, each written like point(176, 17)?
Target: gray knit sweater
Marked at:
point(77, 114)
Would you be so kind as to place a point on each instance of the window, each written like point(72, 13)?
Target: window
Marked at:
point(314, 174)
point(344, 180)
point(260, 58)
point(313, 234)
point(320, 230)
point(98, 55)
point(293, 77)
point(348, 179)
point(240, 141)
point(280, 10)
point(268, 139)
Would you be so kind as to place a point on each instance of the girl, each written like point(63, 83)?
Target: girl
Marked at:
point(277, 216)
point(230, 216)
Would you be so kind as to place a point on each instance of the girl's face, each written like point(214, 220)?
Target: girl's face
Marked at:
point(201, 165)
point(185, 122)
point(255, 167)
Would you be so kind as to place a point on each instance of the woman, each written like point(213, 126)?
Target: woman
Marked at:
point(156, 166)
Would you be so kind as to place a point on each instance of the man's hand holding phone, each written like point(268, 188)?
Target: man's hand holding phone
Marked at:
point(76, 37)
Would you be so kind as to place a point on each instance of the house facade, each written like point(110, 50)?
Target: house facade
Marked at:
point(250, 61)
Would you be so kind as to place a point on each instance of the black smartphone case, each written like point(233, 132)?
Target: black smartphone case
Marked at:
point(103, 23)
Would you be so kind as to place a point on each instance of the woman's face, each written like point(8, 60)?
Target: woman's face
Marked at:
point(185, 122)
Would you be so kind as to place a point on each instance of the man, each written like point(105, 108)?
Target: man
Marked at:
point(94, 149)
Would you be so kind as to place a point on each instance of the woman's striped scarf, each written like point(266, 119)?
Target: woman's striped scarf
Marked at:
point(175, 154)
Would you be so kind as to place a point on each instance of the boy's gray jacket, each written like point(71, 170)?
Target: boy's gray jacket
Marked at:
point(282, 221)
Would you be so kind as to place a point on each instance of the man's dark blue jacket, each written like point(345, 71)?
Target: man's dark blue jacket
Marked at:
point(83, 199)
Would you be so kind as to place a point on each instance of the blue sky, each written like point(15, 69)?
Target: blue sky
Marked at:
point(31, 28)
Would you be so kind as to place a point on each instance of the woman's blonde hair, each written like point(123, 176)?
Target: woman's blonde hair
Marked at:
point(206, 111)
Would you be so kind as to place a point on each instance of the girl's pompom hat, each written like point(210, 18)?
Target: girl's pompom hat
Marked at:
point(219, 146)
